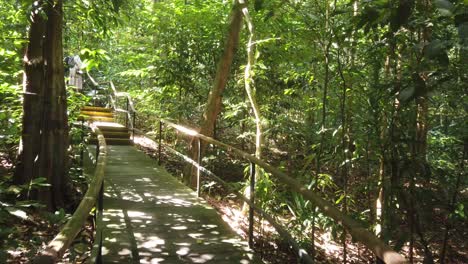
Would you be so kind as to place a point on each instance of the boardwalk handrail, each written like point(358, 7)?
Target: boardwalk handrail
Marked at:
point(130, 112)
point(301, 252)
point(62, 241)
point(357, 231)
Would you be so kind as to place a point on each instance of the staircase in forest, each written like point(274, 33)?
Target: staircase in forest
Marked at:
point(114, 133)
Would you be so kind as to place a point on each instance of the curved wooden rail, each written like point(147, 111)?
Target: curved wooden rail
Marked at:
point(357, 231)
point(57, 247)
point(130, 112)
point(113, 99)
point(301, 252)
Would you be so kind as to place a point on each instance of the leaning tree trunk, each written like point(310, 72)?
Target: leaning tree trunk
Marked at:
point(33, 87)
point(213, 106)
point(54, 139)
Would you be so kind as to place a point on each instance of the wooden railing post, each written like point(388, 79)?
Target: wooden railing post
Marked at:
point(82, 144)
point(133, 125)
point(199, 165)
point(97, 151)
point(251, 205)
point(95, 94)
point(126, 115)
point(159, 143)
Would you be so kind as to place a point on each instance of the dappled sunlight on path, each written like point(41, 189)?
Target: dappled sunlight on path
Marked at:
point(150, 217)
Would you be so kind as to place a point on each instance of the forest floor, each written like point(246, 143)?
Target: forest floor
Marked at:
point(26, 227)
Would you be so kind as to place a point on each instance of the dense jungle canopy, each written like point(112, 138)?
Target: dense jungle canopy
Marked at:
point(362, 102)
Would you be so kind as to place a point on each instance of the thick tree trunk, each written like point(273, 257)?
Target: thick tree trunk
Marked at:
point(54, 139)
point(33, 88)
point(213, 106)
point(45, 123)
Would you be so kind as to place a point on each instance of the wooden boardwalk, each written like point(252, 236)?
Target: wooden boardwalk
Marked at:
point(150, 217)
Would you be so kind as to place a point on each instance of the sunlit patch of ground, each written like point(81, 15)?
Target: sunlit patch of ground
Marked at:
point(273, 250)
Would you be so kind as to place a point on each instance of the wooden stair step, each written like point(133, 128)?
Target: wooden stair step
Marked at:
point(113, 141)
point(96, 118)
point(96, 109)
point(100, 118)
point(116, 134)
point(96, 113)
point(105, 129)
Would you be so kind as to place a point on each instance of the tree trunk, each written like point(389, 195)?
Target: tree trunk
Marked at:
point(45, 122)
point(326, 56)
point(54, 139)
point(213, 106)
point(419, 148)
point(248, 81)
point(33, 88)
point(251, 94)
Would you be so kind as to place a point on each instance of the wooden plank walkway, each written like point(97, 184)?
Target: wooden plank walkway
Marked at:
point(150, 217)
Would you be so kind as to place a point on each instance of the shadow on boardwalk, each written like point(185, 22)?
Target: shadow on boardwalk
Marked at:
point(150, 217)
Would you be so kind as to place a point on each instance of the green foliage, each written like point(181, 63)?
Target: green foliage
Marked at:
point(92, 59)
point(10, 116)
point(377, 59)
point(11, 44)
point(57, 218)
point(75, 101)
point(10, 191)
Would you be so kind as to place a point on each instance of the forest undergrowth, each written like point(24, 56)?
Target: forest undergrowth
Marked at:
point(26, 227)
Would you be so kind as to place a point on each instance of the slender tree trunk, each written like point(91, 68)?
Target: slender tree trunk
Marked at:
point(422, 104)
point(213, 106)
point(344, 147)
point(381, 194)
point(326, 55)
point(378, 131)
point(251, 95)
point(453, 201)
point(386, 192)
point(419, 147)
point(248, 82)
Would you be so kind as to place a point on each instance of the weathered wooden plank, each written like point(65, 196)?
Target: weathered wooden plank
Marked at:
point(150, 217)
